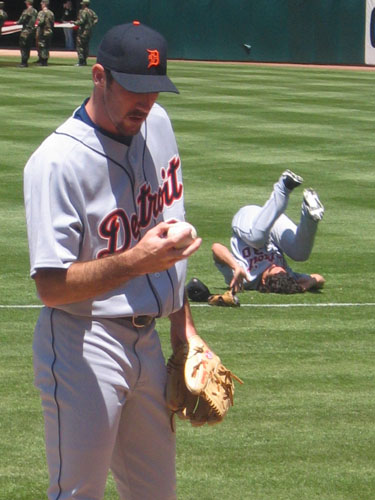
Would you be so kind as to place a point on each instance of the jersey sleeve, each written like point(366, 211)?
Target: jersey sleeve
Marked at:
point(52, 205)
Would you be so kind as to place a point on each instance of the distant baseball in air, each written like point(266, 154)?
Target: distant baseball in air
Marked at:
point(177, 228)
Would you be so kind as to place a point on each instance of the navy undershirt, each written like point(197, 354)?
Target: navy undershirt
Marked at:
point(81, 114)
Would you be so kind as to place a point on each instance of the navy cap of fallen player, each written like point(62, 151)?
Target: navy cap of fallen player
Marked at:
point(136, 55)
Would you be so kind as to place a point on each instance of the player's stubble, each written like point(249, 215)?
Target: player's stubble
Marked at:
point(127, 110)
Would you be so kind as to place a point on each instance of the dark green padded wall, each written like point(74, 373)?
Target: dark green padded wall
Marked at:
point(298, 31)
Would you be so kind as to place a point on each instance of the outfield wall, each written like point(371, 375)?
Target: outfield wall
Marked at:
point(295, 31)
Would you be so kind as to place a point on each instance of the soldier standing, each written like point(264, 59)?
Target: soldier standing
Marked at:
point(3, 15)
point(44, 32)
point(27, 19)
point(87, 19)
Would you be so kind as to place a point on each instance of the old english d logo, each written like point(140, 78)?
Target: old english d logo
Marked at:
point(153, 58)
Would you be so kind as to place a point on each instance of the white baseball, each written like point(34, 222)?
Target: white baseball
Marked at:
point(177, 228)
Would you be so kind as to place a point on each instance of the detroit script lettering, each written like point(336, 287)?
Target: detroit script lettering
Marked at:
point(150, 205)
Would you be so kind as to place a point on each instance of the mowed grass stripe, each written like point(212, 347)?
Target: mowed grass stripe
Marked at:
point(302, 425)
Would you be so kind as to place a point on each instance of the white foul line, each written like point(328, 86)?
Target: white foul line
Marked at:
point(26, 306)
point(328, 304)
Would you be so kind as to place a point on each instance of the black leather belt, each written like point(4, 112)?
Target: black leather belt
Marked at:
point(141, 321)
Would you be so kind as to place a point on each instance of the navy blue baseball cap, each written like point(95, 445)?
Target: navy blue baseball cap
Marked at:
point(136, 55)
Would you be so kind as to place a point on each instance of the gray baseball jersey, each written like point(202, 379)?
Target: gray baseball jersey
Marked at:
point(98, 204)
point(254, 260)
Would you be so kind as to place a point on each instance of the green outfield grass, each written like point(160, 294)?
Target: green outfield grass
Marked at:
point(302, 427)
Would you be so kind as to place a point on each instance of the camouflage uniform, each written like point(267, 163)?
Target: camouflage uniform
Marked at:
point(27, 19)
point(3, 16)
point(87, 19)
point(44, 33)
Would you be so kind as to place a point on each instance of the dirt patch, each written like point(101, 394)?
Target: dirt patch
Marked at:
point(292, 65)
point(68, 54)
point(34, 53)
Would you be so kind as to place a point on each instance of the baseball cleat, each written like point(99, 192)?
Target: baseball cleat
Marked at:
point(291, 180)
point(312, 204)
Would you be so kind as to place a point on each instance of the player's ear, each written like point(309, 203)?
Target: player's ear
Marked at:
point(98, 75)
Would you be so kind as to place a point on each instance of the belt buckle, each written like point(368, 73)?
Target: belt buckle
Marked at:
point(142, 321)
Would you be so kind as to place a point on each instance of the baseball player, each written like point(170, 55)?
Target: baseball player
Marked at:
point(99, 193)
point(262, 235)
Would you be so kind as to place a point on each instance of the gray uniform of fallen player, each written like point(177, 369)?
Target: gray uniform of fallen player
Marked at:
point(262, 235)
point(98, 193)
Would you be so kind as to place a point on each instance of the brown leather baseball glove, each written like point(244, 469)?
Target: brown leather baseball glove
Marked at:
point(199, 387)
point(227, 299)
